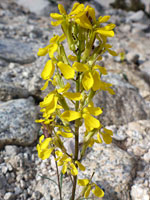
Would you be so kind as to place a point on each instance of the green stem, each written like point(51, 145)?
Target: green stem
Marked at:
point(76, 130)
point(59, 185)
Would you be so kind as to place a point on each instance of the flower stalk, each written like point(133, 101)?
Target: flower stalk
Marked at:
point(82, 31)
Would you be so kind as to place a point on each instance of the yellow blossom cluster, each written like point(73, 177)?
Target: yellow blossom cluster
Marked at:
point(87, 40)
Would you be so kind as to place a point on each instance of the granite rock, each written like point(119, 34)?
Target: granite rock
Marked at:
point(123, 107)
point(16, 51)
point(17, 124)
point(10, 91)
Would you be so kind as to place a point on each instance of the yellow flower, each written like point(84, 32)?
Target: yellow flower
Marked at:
point(65, 134)
point(44, 149)
point(97, 191)
point(90, 121)
point(107, 48)
point(91, 78)
point(83, 182)
point(107, 135)
point(67, 163)
point(66, 70)
point(70, 115)
point(76, 10)
point(52, 47)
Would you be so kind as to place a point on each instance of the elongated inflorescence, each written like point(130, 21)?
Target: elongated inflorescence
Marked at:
point(87, 40)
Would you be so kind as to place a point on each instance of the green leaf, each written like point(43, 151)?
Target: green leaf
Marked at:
point(45, 177)
point(61, 180)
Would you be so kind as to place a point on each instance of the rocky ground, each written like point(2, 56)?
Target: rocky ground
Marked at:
point(122, 168)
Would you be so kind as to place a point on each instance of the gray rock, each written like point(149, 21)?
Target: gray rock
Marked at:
point(18, 190)
point(36, 195)
point(17, 124)
point(140, 188)
point(138, 16)
point(3, 182)
point(132, 57)
point(138, 192)
point(139, 27)
point(113, 168)
point(16, 51)
point(11, 149)
point(9, 196)
point(126, 28)
point(145, 67)
point(10, 91)
point(123, 107)
point(39, 7)
point(3, 63)
point(137, 136)
point(4, 169)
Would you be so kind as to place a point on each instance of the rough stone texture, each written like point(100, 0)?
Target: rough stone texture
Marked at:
point(135, 139)
point(145, 67)
point(10, 91)
point(16, 51)
point(122, 166)
point(141, 186)
point(40, 7)
point(113, 168)
point(123, 107)
point(17, 124)
point(11, 149)
point(137, 16)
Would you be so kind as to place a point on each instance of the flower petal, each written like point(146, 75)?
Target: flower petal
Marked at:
point(70, 115)
point(107, 138)
point(61, 9)
point(43, 51)
point(64, 169)
point(73, 96)
point(77, 8)
point(81, 167)
point(104, 32)
point(109, 27)
point(41, 139)
point(56, 16)
point(87, 192)
point(66, 70)
point(99, 138)
point(98, 192)
point(57, 23)
point(52, 107)
point(48, 70)
point(72, 58)
point(64, 134)
point(93, 110)
point(45, 144)
point(101, 69)
point(87, 80)
point(83, 182)
point(90, 122)
point(45, 154)
point(79, 67)
point(45, 85)
point(84, 22)
point(47, 100)
point(74, 170)
point(64, 89)
point(103, 19)
point(96, 77)
point(91, 13)
point(52, 49)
